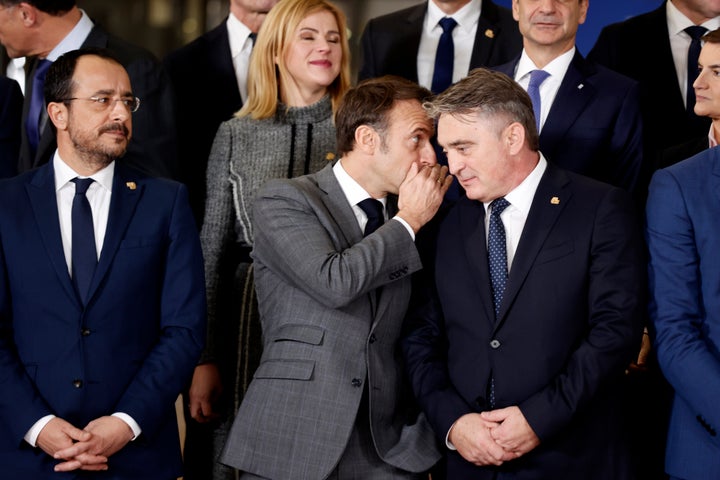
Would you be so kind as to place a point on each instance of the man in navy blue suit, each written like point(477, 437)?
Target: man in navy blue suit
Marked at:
point(518, 349)
point(589, 117)
point(102, 297)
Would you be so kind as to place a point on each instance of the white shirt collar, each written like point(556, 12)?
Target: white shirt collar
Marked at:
point(466, 18)
point(678, 22)
point(64, 174)
point(74, 39)
point(238, 35)
point(557, 68)
point(351, 188)
point(521, 197)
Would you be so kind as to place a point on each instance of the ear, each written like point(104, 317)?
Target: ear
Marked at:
point(28, 14)
point(366, 139)
point(515, 10)
point(58, 115)
point(514, 137)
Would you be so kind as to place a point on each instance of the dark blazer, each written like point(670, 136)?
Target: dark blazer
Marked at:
point(390, 42)
point(203, 78)
point(594, 126)
point(11, 103)
point(682, 233)
point(131, 349)
point(329, 334)
point(152, 149)
point(568, 325)
point(678, 153)
point(639, 48)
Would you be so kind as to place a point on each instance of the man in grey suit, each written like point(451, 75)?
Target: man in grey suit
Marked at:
point(330, 397)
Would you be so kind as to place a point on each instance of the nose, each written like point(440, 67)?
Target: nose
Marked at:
point(547, 6)
point(455, 166)
point(119, 111)
point(700, 82)
point(323, 45)
point(427, 155)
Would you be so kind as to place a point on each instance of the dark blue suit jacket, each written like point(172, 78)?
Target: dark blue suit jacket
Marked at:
point(594, 126)
point(11, 104)
point(569, 324)
point(682, 233)
point(131, 349)
point(206, 89)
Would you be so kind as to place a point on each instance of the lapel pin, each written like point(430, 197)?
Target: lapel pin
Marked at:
point(555, 201)
point(580, 87)
point(330, 156)
point(131, 185)
point(489, 33)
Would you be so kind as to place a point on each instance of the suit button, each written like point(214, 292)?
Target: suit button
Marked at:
point(372, 338)
point(356, 382)
point(77, 383)
point(495, 344)
point(85, 332)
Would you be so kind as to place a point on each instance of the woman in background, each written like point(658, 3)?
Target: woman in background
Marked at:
point(299, 71)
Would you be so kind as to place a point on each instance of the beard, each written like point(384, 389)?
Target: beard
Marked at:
point(94, 151)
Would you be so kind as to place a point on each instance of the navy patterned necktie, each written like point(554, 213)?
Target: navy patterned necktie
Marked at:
point(497, 252)
point(84, 253)
point(696, 32)
point(537, 77)
point(37, 102)
point(444, 57)
point(374, 211)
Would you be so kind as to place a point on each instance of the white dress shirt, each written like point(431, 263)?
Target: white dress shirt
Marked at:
point(680, 42)
point(463, 39)
point(74, 39)
point(241, 46)
point(356, 194)
point(549, 88)
point(98, 194)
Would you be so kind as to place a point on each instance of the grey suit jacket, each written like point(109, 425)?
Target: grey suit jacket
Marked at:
point(327, 331)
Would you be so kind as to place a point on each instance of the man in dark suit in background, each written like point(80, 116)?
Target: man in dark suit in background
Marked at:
point(653, 48)
point(102, 301)
point(11, 102)
point(209, 77)
point(588, 117)
point(405, 42)
point(44, 30)
point(535, 309)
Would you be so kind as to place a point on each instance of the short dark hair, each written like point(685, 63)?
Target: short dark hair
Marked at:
point(490, 94)
point(369, 103)
point(59, 80)
point(52, 7)
point(713, 36)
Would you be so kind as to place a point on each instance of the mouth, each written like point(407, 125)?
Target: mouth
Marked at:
point(321, 63)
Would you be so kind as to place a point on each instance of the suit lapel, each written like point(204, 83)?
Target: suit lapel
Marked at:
point(572, 97)
point(487, 31)
point(409, 35)
point(339, 209)
point(550, 199)
point(43, 200)
point(126, 193)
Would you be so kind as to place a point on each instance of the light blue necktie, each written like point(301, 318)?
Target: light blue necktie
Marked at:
point(537, 77)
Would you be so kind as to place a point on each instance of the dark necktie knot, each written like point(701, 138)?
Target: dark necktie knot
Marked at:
point(253, 37)
point(447, 24)
point(696, 32)
point(498, 205)
point(82, 185)
point(375, 212)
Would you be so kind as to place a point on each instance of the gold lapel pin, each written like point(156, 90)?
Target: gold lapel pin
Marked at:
point(489, 33)
point(131, 185)
point(330, 156)
point(555, 201)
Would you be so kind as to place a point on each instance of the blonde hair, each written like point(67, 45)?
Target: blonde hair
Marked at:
point(273, 42)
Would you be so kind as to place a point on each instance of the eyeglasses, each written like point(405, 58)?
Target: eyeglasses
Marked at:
point(105, 103)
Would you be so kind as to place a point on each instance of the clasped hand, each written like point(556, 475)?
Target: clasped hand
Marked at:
point(493, 437)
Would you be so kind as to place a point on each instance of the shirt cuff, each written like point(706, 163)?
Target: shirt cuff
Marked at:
point(448, 443)
point(32, 434)
point(131, 423)
point(406, 225)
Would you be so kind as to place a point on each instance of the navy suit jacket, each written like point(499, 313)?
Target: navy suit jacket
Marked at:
point(568, 325)
point(594, 126)
point(390, 42)
point(11, 103)
point(682, 233)
point(131, 349)
point(153, 149)
point(207, 94)
point(639, 48)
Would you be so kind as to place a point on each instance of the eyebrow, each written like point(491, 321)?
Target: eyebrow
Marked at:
point(110, 92)
point(315, 30)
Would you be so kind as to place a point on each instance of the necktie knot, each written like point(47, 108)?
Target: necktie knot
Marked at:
point(537, 77)
point(498, 205)
point(696, 32)
point(82, 185)
point(375, 213)
point(252, 37)
point(447, 24)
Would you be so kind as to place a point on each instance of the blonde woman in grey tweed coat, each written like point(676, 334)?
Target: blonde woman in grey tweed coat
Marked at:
point(298, 73)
